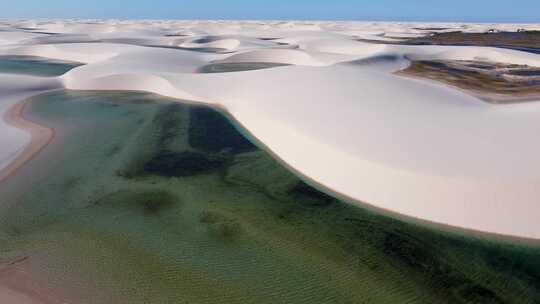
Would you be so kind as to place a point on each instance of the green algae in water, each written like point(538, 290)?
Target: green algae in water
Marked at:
point(229, 67)
point(37, 66)
point(154, 201)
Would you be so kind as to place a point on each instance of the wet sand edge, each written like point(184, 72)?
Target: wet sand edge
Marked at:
point(40, 137)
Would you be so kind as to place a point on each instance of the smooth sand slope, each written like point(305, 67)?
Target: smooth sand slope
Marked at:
point(336, 113)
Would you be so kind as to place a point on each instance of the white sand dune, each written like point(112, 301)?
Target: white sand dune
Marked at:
point(337, 114)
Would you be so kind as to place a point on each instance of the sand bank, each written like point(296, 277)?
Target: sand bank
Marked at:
point(40, 137)
point(16, 284)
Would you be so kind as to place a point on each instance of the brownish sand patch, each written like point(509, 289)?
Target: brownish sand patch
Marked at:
point(527, 40)
point(511, 39)
point(492, 82)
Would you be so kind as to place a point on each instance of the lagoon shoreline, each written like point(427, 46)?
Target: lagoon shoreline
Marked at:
point(40, 137)
point(17, 285)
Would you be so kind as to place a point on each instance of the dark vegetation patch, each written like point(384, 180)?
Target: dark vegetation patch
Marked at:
point(476, 294)
point(408, 250)
point(220, 225)
point(211, 131)
point(309, 196)
point(211, 217)
point(72, 182)
point(211, 135)
point(238, 67)
point(177, 164)
point(168, 122)
point(159, 135)
point(148, 202)
point(417, 253)
point(455, 268)
point(525, 265)
point(428, 257)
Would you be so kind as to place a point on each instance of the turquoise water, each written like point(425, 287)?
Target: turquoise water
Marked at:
point(37, 66)
point(142, 199)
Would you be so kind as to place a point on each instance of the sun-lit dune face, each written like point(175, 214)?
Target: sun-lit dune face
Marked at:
point(336, 102)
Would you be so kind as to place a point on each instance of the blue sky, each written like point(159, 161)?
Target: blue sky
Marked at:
point(406, 10)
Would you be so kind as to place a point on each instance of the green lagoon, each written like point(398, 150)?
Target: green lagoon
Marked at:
point(144, 199)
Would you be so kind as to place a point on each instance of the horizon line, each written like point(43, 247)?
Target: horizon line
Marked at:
point(268, 20)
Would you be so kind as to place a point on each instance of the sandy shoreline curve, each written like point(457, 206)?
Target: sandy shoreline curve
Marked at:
point(15, 284)
point(40, 137)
